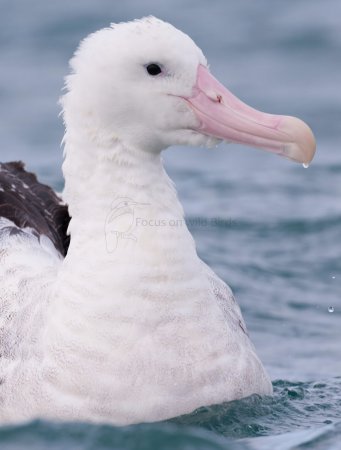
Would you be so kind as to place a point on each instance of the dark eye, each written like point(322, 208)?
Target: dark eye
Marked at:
point(153, 69)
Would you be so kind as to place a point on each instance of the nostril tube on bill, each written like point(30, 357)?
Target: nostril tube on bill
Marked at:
point(217, 98)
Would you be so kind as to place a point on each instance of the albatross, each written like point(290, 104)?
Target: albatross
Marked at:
point(104, 316)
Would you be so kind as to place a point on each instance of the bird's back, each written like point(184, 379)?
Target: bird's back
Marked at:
point(30, 204)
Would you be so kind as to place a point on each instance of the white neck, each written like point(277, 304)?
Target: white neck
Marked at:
point(96, 179)
point(126, 217)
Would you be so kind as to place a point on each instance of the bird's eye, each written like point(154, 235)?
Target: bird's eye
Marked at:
point(153, 69)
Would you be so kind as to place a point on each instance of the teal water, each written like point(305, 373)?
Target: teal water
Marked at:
point(271, 229)
point(299, 416)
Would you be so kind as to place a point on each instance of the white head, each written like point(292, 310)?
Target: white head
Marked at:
point(147, 84)
point(112, 93)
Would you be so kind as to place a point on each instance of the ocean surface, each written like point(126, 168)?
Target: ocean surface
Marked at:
point(270, 228)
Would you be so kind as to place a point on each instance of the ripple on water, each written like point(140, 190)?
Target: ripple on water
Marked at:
point(295, 405)
point(299, 415)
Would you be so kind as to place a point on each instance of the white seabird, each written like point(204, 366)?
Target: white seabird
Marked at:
point(131, 326)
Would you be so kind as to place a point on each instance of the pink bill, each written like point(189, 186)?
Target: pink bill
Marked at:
point(224, 116)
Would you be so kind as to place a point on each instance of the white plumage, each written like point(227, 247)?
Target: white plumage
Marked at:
point(131, 326)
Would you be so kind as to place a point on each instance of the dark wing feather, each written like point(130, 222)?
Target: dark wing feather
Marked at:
point(28, 203)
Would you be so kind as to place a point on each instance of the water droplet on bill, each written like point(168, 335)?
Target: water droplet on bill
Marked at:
point(331, 309)
point(305, 165)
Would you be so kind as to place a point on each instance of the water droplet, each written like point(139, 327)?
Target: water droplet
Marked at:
point(331, 309)
point(305, 165)
point(333, 277)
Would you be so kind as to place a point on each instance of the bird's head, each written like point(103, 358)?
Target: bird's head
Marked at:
point(148, 85)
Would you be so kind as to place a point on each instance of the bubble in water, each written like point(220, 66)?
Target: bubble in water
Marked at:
point(331, 309)
point(305, 165)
